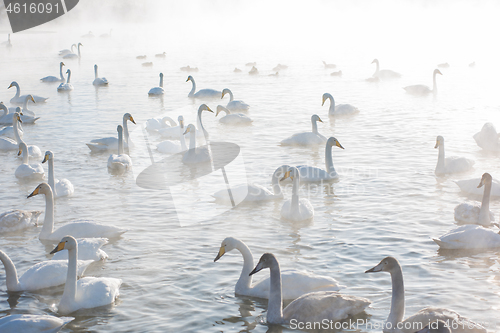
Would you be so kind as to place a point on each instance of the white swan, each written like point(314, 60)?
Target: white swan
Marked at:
point(340, 109)
point(420, 89)
point(232, 118)
point(172, 132)
point(27, 171)
point(201, 131)
point(87, 292)
point(88, 249)
point(28, 118)
point(66, 86)
point(74, 55)
point(156, 91)
point(62, 53)
point(254, 71)
point(169, 147)
point(8, 144)
point(203, 93)
point(195, 154)
point(111, 143)
point(313, 174)
point(78, 228)
point(450, 164)
point(424, 316)
point(18, 99)
point(119, 163)
point(99, 81)
point(488, 138)
point(469, 236)
point(469, 186)
point(307, 138)
point(254, 192)
point(477, 214)
point(33, 151)
point(8, 132)
point(384, 74)
point(60, 188)
point(15, 220)
point(311, 307)
point(45, 274)
point(33, 323)
point(156, 124)
point(295, 283)
point(296, 209)
point(55, 78)
point(329, 66)
point(233, 105)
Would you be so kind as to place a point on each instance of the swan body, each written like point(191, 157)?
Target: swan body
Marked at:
point(55, 78)
point(28, 171)
point(195, 154)
point(254, 71)
point(295, 283)
point(18, 99)
point(254, 192)
point(32, 150)
point(313, 174)
point(469, 186)
point(156, 124)
point(469, 236)
point(488, 138)
point(296, 209)
point(99, 81)
point(28, 118)
point(16, 220)
point(87, 292)
point(169, 147)
point(157, 91)
point(232, 118)
point(474, 214)
point(189, 69)
point(307, 138)
point(42, 275)
point(66, 86)
point(203, 93)
point(8, 144)
point(74, 55)
point(88, 249)
point(329, 66)
point(78, 228)
point(340, 109)
point(233, 105)
point(173, 132)
point(119, 163)
point(111, 143)
point(33, 323)
point(311, 307)
point(384, 74)
point(422, 90)
point(60, 188)
point(424, 316)
point(8, 132)
point(62, 53)
point(450, 164)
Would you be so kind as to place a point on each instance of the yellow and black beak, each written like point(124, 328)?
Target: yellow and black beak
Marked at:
point(45, 158)
point(187, 130)
point(58, 248)
point(338, 144)
point(132, 120)
point(208, 109)
point(35, 192)
point(437, 144)
point(319, 119)
point(481, 183)
point(286, 175)
point(10, 86)
point(19, 118)
point(222, 251)
point(19, 152)
point(188, 79)
point(32, 99)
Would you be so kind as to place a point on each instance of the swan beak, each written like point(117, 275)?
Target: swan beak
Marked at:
point(375, 269)
point(188, 130)
point(58, 248)
point(338, 144)
point(222, 251)
point(62, 63)
point(208, 109)
point(19, 152)
point(132, 120)
point(286, 175)
point(45, 158)
point(437, 144)
point(10, 86)
point(19, 118)
point(323, 102)
point(35, 192)
point(481, 183)
point(257, 268)
point(218, 111)
point(319, 119)
point(188, 79)
point(33, 99)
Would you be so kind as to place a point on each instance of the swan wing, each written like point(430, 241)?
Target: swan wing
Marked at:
point(49, 273)
point(86, 229)
point(32, 323)
point(456, 164)
point(469, 237)
point(470, 186)
point(304, 139)
point(88, 249)
point(428, 315)
point(15, 220)
point(96, 291)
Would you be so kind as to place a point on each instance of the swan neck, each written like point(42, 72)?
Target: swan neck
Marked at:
point(26, 158)
point(441, 159)
point(314, 126)
point(161, 81)
point(48, 222)
point(231, 96)
point(484, 212)
point(10, 273)
point(52, 182)
point(95, 72)
point(245, 280)
point(295, 193)
point(120, 143)
point(15, 126)
point(275, 305)
point(329, 160)
point(18, 91)
point(69, 294)
point(434, 85)
point(331, 110)
point(398, 298)
point(183, 139)
point(377, 68)
point(79, 55)
point(193, 88)
point(60, 72)
point(69, 77)
point(200, 125)
point(125, 130)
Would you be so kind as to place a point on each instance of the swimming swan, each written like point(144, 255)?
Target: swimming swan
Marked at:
point(33, 323)
point(420, 89)
point(195, 154)
point(172, 132)
point(88, 249)
point(232, 118)
point(384, 74)
point(169, 147)
point(314, 174)
point(62, 53)
point(296, 209)
point(340, 109)
point(307, 138)
point(295, 283)
point(60, 188)
point(111, 143)
point(157, 91)
point(66, 86)
point(424, 316)
point(451, 164)
point(87, 292)
point(233, 105)
point(203, 93)
point(99, 81)
point(33, 151)
point(477, 214)
point(469, 236)
point(156, 124)
point(470, 187)
point(74, 55)
point(15, 220)
point(17, 99)
point(55, 78)
point(119, 163)
point(488, 138)
point(312, 307)
point(27, 171)
point(79, 228)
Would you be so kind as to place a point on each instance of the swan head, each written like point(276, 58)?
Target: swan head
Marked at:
point(292, 172)
point(225, 91)
point(325, 97)
point(13, 84)
point(439, 141)
point(161, 75)
point(17, 116)
point(266, 261)
point(375, 61)
point(220, 109)
point(388, 264)
point(43, 188)
point(68, 71)
point(62, 64)
point(190, 78)
point(315, 117)
point(95, 67)
point(66, 243)
point(80, 44)
point(204, 107)
point(48, 156)
point(128, 116)
point(180, 119)
point(333, 142)
point(190, 129)
point(22, 147)
point(485, 179)
point(228, 244)
point(437, 71)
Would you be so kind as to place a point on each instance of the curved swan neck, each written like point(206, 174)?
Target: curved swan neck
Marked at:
point(245, 280)
point(295, 192)
point(69, 76)
point(377, 68)
point(200, 124)
point(79, 55)
point(60, 72)
point(25, 103)
point(231, 97)
point(275, 305)
point(125, 129)
point(193, 89)
point(15, 126)
point(434, 85)
point(398, 297)
point(69, 293)
point(484, 212)
point(4, 109)
point(441, 158)
point(10, 273)
point(314, 126)
point(331, 110)
point(48, 222)
point(26, 159)
point(95, 71)
point(329, 159)
point(18, 90)
point(183, 139)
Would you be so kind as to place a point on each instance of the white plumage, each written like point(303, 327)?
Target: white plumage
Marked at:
point(32, 323)
point(313, 138)
point(203, 93)
point(27, 171)
point(121, 162)
point(450, 164)
point(296, 209)
point(340, 109)
point(15, 220)
point(232, 118)
point(469, 236)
